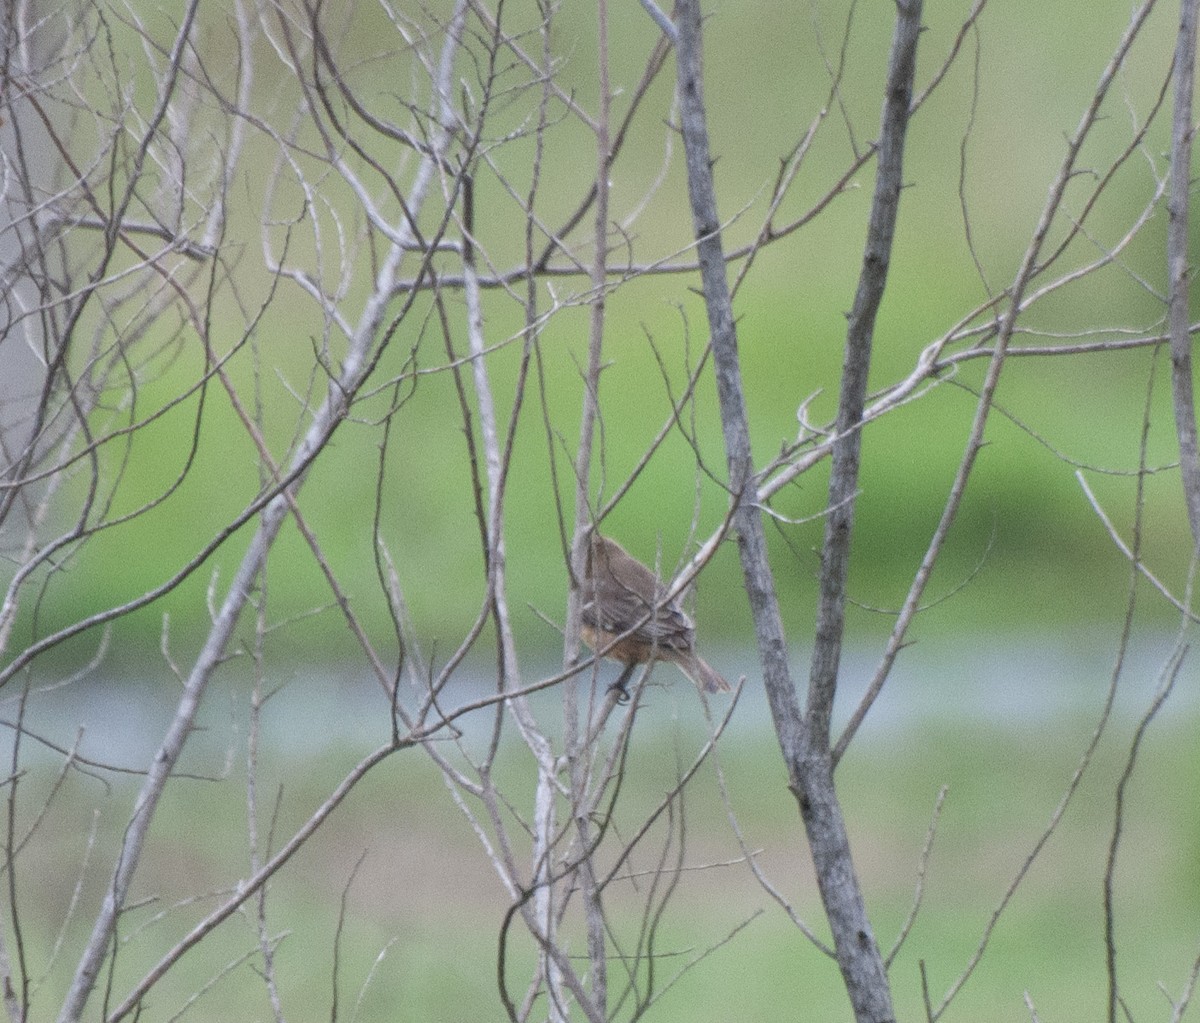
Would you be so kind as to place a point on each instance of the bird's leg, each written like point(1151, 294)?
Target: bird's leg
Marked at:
point(622, 681)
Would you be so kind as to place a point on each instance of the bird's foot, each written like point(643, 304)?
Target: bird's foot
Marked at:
point(618, 687)
point(622, 694)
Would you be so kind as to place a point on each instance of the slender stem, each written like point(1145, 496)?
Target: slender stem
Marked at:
point(1179, 270)
point(590, 891)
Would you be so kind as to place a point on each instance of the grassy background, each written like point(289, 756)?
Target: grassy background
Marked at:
point(425, 902)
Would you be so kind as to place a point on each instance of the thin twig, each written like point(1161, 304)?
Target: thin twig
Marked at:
point(1166, 684)
point(922, 867)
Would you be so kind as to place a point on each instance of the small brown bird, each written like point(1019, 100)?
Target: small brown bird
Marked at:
point(621, 595)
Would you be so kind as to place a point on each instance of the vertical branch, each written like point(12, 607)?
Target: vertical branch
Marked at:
point(16, 995)
point(574, 734)
point(591, 384)
point(1178, 267)
point(760, 584)
point(256, 848)
point(810, 768)
point(856, 365)
point(545, 909)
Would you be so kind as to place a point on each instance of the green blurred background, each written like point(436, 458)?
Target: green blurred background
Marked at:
point(1042, 556)
point(1037, 619)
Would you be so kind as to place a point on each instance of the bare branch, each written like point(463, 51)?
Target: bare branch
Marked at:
point(805, 753)
point(1179, 265)
point(847, 443)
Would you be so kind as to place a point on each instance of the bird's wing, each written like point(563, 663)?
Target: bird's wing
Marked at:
point(616, 609)
point(670, 627)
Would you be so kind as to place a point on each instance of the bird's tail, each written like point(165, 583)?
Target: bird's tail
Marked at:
point(702, 674)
